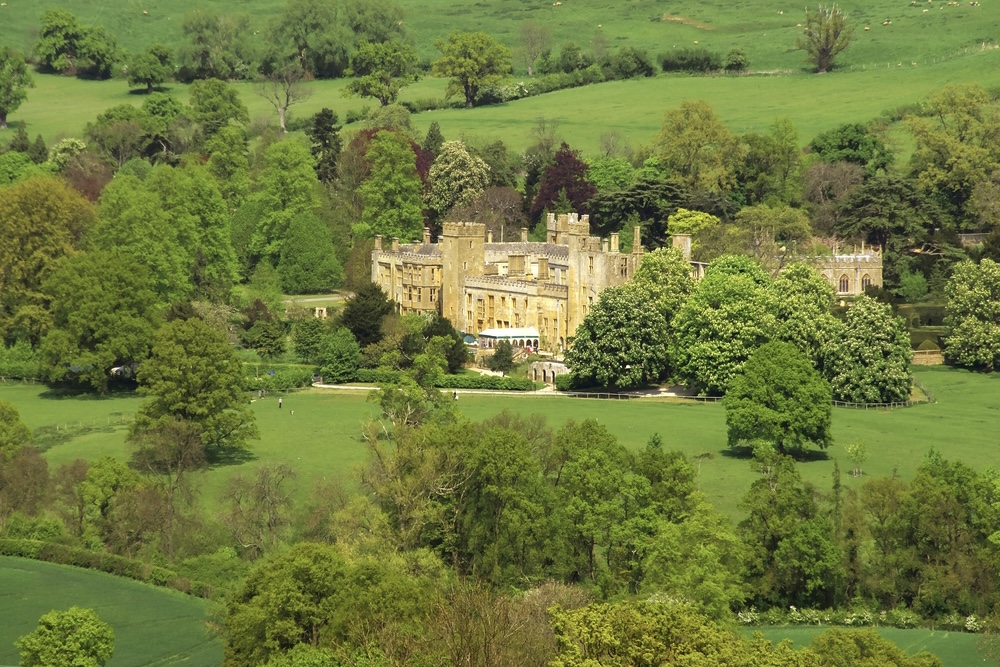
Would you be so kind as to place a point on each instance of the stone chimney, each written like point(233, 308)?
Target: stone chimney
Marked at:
point(395, 244)
point(427, 235)
point(543, 268)
point(604, 245)
point(614, 242)
point(524, 234)
point(489, 237)
point(378, 241)
point(683, 243)
point(515, 266)
point(636, 240)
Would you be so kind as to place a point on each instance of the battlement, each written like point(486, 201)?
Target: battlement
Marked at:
point(464, 229)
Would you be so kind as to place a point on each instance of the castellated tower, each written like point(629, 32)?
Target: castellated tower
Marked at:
point(463, 251)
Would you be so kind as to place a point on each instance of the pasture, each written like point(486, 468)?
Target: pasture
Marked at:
point(152, 626)
point(955, 649)
point(921, 32)
point(632, 108)
point(322, 439)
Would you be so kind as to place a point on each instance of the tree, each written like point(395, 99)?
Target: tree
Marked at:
point(803, 301)
point(104, 314)
point(119, 133)
point(73, 638)
point(325, 144)
point(728, 316)
point(622, 341)
point(565, 178)
point(14, 83)
point(695, 145)
point(283, 87)
point(433, 140)
point(534, 38)
point(824, 36)
point(473, 61)
point(42, 220)
point(338, 357)
point(193, 375)
point(456, 178)
point(779, 398)
point(308, 262)
point(151, 67)
point(870, 363)
point(665, 275)
point(502, 360)
point(66, 46)
point(855, 143)
point(98, 53)
point(259, 508)
point(214, 104)
point(307, 336)
point(382, 70)
point(314, 33)
point(391, 195)
point(216, 46)
point(972, 315)
point(13, 433)
point(287, 188)
point(363, 313)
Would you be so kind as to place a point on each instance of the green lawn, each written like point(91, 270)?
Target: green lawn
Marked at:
point(322, 439)
point(956, 649)
point(153, 626)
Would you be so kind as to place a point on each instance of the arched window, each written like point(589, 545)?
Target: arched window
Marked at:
point(845, 284)
point(866, 281)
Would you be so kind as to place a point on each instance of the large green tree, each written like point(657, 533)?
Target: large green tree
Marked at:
point(728, 316)
point(972, 315)
point(780, 399)
point(383, 69)
point(473, 61)
point(825, 35)
point(66, 46)
point(14, 83)
point(42, 220)
point(151, 67)
point(287, 188)
point(456, 178)
point(325, 143)
point(73, 638)
point(104, 314)
point(363, 313)
point(622, 341)
point(216, 47)
point(13, 433)
point(308, 263)
point(694, 145)
point(193, 375)
point(214, 104)
point(391, 195)
point(871, 361)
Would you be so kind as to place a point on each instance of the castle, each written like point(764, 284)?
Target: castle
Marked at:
point(539, 292)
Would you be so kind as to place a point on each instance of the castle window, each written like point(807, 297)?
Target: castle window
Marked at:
point(591, 268)
point(866, 281)
point(845, 284)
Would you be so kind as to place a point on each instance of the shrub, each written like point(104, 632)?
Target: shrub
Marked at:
point(690, 60)
point(736, 60)
point(629, 62)
point(484, 382)
point(277, 378)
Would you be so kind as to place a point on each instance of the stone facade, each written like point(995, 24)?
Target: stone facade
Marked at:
point(479, 284)
point(850, 274)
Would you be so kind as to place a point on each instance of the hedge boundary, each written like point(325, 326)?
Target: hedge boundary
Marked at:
point(495, 382)
point(120, 566)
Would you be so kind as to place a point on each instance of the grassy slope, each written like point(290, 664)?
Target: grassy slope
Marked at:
point(956, 649)
point(152, 626)
point(768, 36)
point(633, 108)
point(321, 440)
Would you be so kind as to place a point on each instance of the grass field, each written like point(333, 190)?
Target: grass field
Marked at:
point(766, 29)
point(152, 626)
point(633, 108)
point(322, 439)
point(956, 649)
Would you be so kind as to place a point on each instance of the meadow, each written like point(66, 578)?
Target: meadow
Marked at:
point(322, 439)
point(153, 626)
point(955, 649)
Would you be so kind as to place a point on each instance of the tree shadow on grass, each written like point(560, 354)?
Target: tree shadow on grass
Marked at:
point(66, 393)
point(799, 456)
point(220, 458)
point(54, 435)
